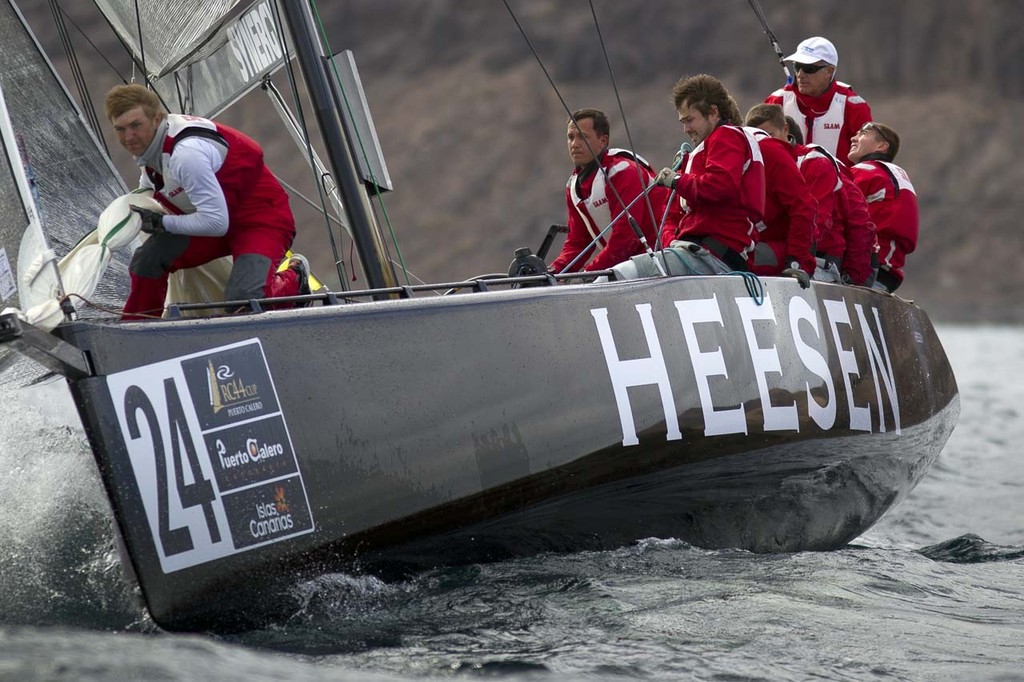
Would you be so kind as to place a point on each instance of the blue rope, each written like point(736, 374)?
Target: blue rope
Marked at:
point(755, 287)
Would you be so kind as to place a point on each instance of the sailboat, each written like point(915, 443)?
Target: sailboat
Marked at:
point(379, 428)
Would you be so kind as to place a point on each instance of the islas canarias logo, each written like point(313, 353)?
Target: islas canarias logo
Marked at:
point(226, 389)
point(280, 502)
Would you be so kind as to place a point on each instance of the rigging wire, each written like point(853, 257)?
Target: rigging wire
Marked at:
point(756, 6)
point(96, 49)
point(128, 51)
point(294, 191)
point(293, 84)
point(376, 193)
point(76, 73)
point(565, 106)
point(622, 110)
point(142, 45)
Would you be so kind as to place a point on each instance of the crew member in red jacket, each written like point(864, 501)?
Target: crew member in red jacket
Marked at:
point(829, 112)
point(221, 199)
point(844, 234)
point(721, 186)
point(785, 245)
point(603, 182)
point(860, 244)
point(891, 199)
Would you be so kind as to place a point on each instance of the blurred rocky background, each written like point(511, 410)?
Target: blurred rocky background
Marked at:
point(474, 135)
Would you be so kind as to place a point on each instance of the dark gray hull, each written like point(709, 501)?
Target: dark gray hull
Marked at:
point(474, 427)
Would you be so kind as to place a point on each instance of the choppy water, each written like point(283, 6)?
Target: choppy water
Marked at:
point(934, 591)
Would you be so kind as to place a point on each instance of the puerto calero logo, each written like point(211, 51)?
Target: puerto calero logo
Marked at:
point(250, 452)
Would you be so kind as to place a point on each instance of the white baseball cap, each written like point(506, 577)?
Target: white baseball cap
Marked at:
point(816, 49)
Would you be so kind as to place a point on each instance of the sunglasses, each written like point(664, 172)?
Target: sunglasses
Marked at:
point(810, 68)
point(885, 137)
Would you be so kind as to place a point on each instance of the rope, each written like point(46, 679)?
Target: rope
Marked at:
point(753, 283)
point(376, 193)
point(622, 110)
point(755, 287)
point(568, 111)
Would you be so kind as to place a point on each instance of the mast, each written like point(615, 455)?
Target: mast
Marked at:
point(365, 231)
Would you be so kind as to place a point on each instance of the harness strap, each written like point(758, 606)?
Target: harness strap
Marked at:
point(890, 280)
point(730, 257)
point(829, 259)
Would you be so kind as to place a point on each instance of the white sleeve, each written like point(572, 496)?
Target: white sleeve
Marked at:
point(194, 163)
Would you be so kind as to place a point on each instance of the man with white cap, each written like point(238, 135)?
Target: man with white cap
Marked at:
point(829, 112)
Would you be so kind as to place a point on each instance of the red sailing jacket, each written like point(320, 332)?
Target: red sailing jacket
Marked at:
point(830, 119)
point(821, 171)
point(254, 197)
point(789, 210)
point(893, 204)
point(851, 236)
point(592, 206)
point(858, 231)
point(721, 191)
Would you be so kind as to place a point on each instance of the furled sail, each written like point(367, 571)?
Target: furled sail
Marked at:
point(200, 56)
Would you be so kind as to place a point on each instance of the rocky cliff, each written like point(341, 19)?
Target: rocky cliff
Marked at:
point(474, 134)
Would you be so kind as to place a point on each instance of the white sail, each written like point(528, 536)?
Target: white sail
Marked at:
point(165, 34)
point(55, 181)
point(200, 56)
point(27, 274)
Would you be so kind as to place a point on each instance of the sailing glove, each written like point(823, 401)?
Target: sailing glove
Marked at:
point(152, 221)
point(795, 272)
point(666, 178)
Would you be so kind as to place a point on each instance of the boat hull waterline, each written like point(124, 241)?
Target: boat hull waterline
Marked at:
point(475, 427)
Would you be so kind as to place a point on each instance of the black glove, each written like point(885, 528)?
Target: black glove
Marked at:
point(796, 273)
point(152, 221)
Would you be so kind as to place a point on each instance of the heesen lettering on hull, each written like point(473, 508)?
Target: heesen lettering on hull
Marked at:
point(764, 361)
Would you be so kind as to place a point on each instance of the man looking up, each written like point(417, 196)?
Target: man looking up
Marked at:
point(891, 199)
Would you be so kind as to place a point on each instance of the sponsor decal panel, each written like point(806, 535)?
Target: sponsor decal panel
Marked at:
point(211, 453)
point(250, 453)
point(254, 43)
point(266, 512)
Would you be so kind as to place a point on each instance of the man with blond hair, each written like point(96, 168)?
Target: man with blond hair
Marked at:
point(220, 200)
